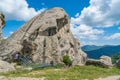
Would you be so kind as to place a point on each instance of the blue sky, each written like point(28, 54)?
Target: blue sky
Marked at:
point(93, 22)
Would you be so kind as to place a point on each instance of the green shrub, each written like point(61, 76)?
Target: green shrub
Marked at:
point(67, 60)
point(115, 57)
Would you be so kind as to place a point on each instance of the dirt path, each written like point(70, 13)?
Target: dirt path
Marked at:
point(110, 78)
point(27, 78)
point(20, 78)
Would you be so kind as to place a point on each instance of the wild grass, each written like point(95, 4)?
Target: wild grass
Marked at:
point(72, 73)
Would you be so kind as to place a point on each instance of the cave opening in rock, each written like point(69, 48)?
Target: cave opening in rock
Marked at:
point(28, 49)
point(62, 22)
point(51, 31)
point(48, 32)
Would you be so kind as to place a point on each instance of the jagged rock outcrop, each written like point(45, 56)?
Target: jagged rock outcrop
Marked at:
point(5, 66)
point(45, 38)
point(104, 61)
point(2, 23)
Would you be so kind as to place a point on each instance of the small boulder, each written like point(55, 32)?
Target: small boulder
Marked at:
point(104, 61)
point(5, 66)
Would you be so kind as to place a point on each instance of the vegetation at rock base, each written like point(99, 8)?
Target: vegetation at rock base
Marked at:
point(72, 73)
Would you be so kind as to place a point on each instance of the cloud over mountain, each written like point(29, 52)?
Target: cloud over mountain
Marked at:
point(114, 36)
point(90, 23)
point(84, 31)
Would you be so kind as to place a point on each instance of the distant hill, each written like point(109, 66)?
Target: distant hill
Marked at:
point(101, 50)
point(90, 47)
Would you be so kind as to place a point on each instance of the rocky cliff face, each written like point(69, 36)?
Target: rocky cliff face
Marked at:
point(2, 23)
point(45, 38)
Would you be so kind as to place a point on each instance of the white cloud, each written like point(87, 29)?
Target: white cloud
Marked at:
point(5, 37)
point(18, 10)
point(119, 28)
point(11, 32)
point(85, 32)
point(114, 36)
point(100, 13)
point(83, 43)
point(91, 21)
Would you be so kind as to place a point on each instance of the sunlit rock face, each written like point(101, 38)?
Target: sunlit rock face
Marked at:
point(45, 38)
point(2, 23)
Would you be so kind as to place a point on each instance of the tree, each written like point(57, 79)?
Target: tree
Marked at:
point(67, 60)
point(115, 57)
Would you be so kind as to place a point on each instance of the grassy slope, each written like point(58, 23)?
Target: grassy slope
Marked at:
point(73, 73)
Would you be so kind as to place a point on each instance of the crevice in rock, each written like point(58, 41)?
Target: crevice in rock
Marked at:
point(48, 32)
point(44, 49)
point(29, 26)
point(59, 38)
point(71, 45)
point(61, 22)
point(34, 35)
point(28, 49)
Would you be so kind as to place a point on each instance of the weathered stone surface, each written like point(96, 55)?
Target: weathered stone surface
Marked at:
point(2, 23)
point(5, 66)
point(104, 61)
point(45, 38)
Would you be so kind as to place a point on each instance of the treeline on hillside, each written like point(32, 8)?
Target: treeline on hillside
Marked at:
point(115, 57)
point(105, 50)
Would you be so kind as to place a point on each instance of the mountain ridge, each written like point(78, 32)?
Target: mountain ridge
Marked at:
point(104, 50)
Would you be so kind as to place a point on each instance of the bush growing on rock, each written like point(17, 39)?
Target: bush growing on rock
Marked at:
point(67, 60)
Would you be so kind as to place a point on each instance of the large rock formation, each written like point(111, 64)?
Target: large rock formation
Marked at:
point(45, 38)
point(2, 23)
